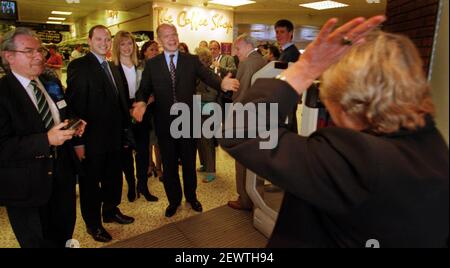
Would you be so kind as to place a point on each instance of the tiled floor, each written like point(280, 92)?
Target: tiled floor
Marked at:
point(149, 216)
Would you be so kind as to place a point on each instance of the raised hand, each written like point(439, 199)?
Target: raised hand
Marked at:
point(329, 46)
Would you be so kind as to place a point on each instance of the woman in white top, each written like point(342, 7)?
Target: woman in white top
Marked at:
point(124, 57)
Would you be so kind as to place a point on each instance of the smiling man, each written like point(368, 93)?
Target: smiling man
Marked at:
point(172, 77)
point(97, 96)
point(37, 176)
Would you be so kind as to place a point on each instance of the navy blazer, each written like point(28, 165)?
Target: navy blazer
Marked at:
point(27, 163)
point(344, 187)
point(94, 99)
point(156, 80)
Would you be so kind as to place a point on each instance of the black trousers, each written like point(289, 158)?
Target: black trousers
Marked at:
point(50, 225)
point(172, 150)
point(100, 187)
point(141, 133)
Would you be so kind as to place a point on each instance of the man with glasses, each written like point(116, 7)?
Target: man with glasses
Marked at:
point(37, 174)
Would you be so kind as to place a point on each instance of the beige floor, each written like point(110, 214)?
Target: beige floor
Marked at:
point(149, 216)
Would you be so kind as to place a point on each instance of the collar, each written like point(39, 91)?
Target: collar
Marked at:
point(100, 59)
point(287, 45)
point(253, 50)
point(167, 54)
point(25, 82)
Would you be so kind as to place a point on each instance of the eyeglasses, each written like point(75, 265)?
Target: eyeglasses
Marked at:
point(30, 53)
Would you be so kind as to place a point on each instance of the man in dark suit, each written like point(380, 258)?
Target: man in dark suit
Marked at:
point(284, 30)
point(37, 163)
point(171, 78)
point(96, 95)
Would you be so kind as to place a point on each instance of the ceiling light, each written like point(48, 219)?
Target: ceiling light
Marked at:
point(324, 5)
point(54, 22)
point(56, 18)
point(233, 3)
point(61, 13)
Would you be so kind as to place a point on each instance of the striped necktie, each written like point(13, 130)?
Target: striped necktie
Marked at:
point(43, 108)
point(172, 70)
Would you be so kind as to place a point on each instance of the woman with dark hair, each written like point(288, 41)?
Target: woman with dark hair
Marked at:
point(381, 176)
point(183, 48)
point(149, 50)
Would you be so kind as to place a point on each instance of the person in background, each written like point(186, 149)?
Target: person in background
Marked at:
point(125, 60)
point(55, 62)
point(222, 64)
point(273, 53)
point(183, 48)
point(96, 94)
point(251, 62)
point(172, 77)
point(37, 160)
point(206, 146)
point(284, 31)
point(149, 50)
point(383, 172)
point(77, 52)
point(203, 44)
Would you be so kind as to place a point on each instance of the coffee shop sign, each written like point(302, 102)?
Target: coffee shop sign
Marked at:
point(194, 20)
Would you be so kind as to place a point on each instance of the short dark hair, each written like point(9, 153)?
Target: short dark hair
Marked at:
point(99, 26)
point(214, 42)
point(275, 51)
point(285, 23)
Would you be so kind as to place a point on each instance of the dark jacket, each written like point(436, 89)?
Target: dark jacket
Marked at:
point(94, 99)
point(345, 187)
point(290, 54)
point(28, 165)
point(156, 80)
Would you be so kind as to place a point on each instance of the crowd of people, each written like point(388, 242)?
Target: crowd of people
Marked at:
point(383, 167)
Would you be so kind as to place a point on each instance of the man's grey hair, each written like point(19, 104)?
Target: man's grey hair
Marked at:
point(247, 39)
point(8, 43)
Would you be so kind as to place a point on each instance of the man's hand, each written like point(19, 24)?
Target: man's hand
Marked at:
point(139, 110)
point(80, 129)
point(57, 136)
point(229, 84)
point(216, 64)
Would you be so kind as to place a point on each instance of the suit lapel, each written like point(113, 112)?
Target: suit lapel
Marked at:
point(180, 66)
point(24, 101)
point(165, 66)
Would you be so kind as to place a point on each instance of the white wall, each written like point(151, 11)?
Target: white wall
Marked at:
point(439, 79)
point(195, 24)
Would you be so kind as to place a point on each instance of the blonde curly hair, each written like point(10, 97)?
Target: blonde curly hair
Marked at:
point(381, 84)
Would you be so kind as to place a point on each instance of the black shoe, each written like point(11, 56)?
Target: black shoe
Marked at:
point(196, 205)
point(99, 234)
point(171, 210)
point(119, 218)
point(146, 193)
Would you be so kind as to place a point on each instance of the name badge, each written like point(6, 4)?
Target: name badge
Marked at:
point(61, 104)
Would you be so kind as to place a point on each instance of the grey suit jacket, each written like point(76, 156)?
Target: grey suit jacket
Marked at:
point(246, 70)
point(227, 65)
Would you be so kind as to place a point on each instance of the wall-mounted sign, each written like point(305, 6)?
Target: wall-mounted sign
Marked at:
point(44, 27)
point(49, 37)
point(194, 23)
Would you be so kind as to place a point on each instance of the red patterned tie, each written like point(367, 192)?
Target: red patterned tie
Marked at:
point(172, 70)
